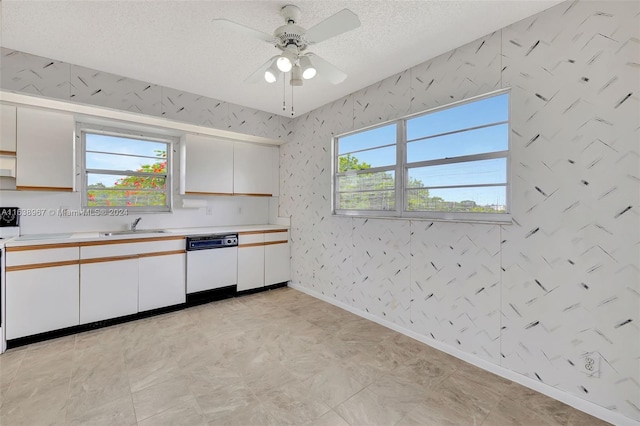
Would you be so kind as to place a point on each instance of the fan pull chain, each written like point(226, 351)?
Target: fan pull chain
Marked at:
point(284, 92)
point(292, 113)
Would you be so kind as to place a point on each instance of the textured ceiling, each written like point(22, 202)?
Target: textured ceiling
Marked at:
point(175, 44)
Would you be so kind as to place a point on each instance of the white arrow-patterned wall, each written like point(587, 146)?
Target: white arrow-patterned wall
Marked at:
point(532, 297)
point(564, 278)
point(35, 75)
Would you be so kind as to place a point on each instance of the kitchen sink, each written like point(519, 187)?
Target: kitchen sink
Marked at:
point(136, 232)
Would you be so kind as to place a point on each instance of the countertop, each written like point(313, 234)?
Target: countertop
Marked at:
point(37, 239)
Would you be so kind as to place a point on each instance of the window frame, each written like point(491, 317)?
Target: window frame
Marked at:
point(394, 167)
point(142, 135)
point(402, 169)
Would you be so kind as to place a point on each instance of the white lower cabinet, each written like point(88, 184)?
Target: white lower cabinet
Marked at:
point(108, 289)
point(161, 281)
point(41, 299)
point(263, 259)
point(130, 276)
point(276, 263)
point(250, 267)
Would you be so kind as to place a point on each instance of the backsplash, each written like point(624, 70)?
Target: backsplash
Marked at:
point(224, 211)
point(563, 279)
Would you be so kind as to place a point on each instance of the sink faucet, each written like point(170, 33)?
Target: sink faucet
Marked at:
point(135, 223)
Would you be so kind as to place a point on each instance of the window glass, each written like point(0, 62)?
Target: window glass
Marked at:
point(123, 171)
point(377, 157)
point(368, 200)
point(385, 135)
point(469, 142)
point(462, 116)
point(480, 172)
point(489, 199)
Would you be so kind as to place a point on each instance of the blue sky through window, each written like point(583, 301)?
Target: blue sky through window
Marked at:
point(438, 145)
point(123, 154)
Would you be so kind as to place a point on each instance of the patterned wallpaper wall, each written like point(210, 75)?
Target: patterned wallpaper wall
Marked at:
point(564, 278)
point(30, 74)
point(533, 296)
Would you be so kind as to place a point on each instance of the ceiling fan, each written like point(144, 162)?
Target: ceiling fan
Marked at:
point(293, 40)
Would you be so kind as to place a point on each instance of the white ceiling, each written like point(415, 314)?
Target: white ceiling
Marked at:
point(175, 44)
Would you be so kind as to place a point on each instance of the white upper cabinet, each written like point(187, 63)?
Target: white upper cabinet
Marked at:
point(7, 141)
point(7, 129)
point(208, 166)
point(253, 171)
point(45, 156)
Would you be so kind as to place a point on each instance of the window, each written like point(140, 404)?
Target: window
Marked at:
point(126, 169)
point(447, 163)
point(366, 170)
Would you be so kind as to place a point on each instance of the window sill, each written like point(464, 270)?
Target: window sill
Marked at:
point(486, 218)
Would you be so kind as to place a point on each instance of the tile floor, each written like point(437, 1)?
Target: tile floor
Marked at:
point(275, 358)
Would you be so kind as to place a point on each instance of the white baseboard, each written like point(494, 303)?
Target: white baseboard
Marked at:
point(567, 398)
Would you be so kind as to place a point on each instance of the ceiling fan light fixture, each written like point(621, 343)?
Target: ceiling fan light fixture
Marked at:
point(308, 70)
point(288, 58)
point(284, 64)
point(296, 76)
point(272, 73)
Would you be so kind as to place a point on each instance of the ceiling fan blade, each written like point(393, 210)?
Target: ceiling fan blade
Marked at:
point(327, 70)
point(341, 22)
point(258, 74)
point(241, 29)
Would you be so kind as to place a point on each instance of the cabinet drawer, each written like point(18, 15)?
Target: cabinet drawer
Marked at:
point(272, 237)
point(31, 257)
point(131, 249)
point(250, 238)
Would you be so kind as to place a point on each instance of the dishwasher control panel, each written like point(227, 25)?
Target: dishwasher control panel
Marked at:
point(208, 242)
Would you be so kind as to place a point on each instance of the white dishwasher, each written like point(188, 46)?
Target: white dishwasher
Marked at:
point(212, 262)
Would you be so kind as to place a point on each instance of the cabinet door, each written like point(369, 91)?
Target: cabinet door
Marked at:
point(252, 171)
point(250, 267)
point(41, 299)
point(44, 150)
point(8, 128)
point(276, 263)
point(108, 289)
point(161, 281)
point(208, 166)
point(275, 171)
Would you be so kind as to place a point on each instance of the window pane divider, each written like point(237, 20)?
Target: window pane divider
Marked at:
point(125, 155)
point(366, 149)
point(461, 159)
point(478, 185)
point(453, 132)
point(355, 191)
point(366, 171)
point(125, 173)
point(128, 189)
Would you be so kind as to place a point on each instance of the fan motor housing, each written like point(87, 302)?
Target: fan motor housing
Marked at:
point(290, 34)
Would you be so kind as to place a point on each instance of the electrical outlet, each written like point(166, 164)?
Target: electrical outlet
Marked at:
point(590, 364)
point(209, 211)
point(239, 210)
